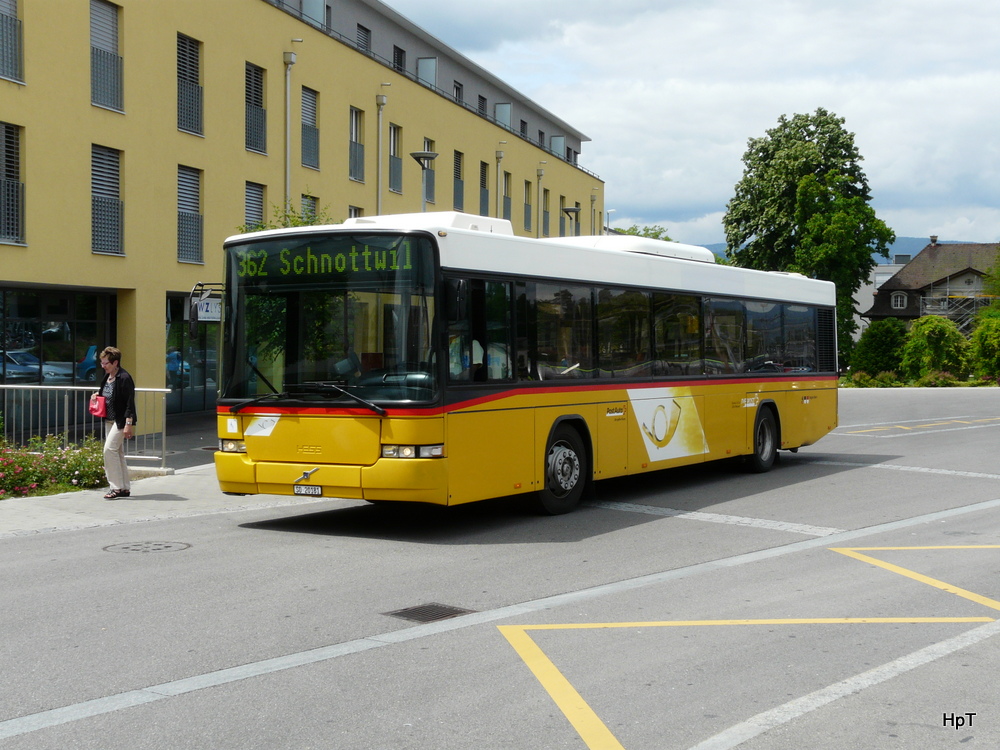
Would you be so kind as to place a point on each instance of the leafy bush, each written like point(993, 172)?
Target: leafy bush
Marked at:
point(858, 380)
point(985, 346)
point(45, 467)
point(934, 344)
point(880, 347)
point(887, 380)
point(937, 380)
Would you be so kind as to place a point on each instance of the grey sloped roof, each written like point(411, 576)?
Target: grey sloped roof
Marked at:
point(937, 262)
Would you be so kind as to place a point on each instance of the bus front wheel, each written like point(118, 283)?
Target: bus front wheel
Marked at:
point(565, 472)
point(765, 442)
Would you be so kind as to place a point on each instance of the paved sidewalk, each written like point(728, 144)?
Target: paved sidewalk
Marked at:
point(190, 489)
point(187, 492)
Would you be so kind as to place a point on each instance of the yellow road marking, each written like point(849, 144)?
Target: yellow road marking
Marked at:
point(884, 428)
point(595, 733)
point(590, 728)
point(971, 596)
point(779, 621)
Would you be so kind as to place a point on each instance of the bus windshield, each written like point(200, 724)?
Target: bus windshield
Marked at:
point(334, 317)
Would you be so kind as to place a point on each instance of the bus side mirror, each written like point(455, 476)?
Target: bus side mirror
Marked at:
point(193, 317)
point(456, 296)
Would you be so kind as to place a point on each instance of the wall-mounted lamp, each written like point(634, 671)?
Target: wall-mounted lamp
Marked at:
point(424, 159)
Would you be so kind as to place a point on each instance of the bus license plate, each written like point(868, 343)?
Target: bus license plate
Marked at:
point(307, 489)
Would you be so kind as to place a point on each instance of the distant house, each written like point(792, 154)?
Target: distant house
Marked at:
point(942, 279)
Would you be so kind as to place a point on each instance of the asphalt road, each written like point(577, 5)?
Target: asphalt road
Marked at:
point(848, 598)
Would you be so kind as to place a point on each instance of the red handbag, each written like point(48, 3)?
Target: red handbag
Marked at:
point(98, 407)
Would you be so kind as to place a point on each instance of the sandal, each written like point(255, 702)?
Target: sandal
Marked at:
point(115, 494)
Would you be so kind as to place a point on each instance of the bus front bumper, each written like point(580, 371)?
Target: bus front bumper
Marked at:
point(421, 480)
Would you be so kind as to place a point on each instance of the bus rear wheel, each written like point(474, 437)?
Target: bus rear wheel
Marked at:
point(765, 442)
point(565, 472)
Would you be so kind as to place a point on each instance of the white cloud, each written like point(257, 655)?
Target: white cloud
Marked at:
point(670, 94)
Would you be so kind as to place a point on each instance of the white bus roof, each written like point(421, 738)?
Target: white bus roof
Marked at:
point(470, 242)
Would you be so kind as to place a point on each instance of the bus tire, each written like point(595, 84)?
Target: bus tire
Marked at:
point(565, 472)
point(765, 442)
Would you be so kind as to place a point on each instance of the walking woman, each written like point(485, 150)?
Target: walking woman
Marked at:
point(118, 390)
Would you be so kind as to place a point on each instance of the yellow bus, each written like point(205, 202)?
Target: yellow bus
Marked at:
point(438, 358)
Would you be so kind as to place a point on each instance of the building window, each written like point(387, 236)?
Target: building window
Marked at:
point(107, 209)
point(545, 212)
point(506, 195)
point(189, 89)
point(310, 128)
point(484, 188)
point(11, 56)
point(898, 300)
point(482, 106)
point(501, 113)
point(354, 212)
point(356, 154)
point(459, 181)
point(529, 207)
point(458, 91)
point(364, 39)
point(395, 158)
point(105, 63)
point(11, 187)
point(310, 208)
point(541, 138)
point(524, 129)
point(399, 59)
point(189, 218)
point(253, 205)
point(427, 71)
point(256, 125)
point(427, 175)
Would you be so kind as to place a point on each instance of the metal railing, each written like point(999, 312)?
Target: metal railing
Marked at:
point(39, 410)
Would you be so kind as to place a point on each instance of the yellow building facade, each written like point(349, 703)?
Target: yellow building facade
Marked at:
point(137, 135)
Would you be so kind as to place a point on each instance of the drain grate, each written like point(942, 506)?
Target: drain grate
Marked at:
point(429, 612)
point(148, 547)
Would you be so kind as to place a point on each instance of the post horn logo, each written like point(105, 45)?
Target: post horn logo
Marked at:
point(663, 425)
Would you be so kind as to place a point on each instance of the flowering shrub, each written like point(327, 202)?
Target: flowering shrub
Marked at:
point(45, 467)
point(936, 379)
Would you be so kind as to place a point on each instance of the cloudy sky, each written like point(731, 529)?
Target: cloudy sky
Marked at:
point(670, 91)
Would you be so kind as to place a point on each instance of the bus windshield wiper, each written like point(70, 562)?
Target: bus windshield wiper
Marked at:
point(327, 385)
point(257, 399)
point(249, 402)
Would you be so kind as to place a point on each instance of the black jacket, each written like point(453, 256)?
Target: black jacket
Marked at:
point(124, 404)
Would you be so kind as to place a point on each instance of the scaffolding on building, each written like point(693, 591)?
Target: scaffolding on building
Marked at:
point(961, 310)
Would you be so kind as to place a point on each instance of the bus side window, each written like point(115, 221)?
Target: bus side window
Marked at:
point(498, 331)
point(465, 355)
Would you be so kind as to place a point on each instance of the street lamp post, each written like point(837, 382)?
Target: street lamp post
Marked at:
point(424, 159)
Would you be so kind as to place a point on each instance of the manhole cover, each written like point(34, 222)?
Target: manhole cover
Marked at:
point(429, 612)
point(147, 547)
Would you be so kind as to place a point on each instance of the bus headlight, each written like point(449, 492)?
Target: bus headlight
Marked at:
point(232, 446)
point(412, 451)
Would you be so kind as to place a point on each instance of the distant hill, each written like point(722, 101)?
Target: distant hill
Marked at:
point(902, 246)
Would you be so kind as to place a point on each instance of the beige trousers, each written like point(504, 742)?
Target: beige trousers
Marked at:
point(114, 457)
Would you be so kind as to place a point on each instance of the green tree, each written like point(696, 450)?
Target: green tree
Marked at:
point(991, 284)
point(880, 348)
point(654, 231)
point(290, 217)
point(984, 345)
point(934, 344)
point(802, 205)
